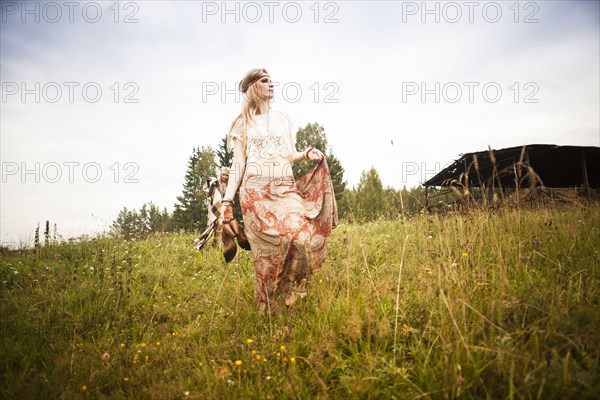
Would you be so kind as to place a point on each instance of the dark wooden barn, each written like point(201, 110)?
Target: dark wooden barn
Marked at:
point(539, 165)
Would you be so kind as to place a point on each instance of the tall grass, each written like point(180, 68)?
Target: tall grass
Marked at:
point(501, 304)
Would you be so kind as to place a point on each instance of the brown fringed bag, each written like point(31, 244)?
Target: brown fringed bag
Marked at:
point(233, 230)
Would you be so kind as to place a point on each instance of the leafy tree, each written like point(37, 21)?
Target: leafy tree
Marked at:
point(371, 202)
point(347, 205)
point(395, 202)
point(361, 204)
point(414, 199)
point(314, 135)
point(190, 212)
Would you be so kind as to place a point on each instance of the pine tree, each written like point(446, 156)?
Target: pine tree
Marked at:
point(225, 156)
point(36, 240)
point(47, 234)
point(157, 221)
point(190, 212)
point(124, 225)
point(140, 224)
point(55, 235)
point(314, 135)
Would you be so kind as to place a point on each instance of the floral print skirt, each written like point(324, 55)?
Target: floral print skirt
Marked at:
point(288, 224)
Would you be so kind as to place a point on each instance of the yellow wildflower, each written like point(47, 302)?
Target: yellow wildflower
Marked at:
point(249, 341)
point(84, 388)
point(238, 362)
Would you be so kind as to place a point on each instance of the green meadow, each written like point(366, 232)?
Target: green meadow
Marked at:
point(483, 304)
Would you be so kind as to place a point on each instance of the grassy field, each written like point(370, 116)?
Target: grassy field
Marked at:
point(497, 304)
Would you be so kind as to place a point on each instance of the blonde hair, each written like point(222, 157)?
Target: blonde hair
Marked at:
point(252, 99)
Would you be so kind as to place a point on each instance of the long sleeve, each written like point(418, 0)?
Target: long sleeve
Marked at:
point(296, 156)
point(236, 172)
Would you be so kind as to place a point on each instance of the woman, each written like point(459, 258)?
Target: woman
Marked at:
point(215, 193)
point(287, 222)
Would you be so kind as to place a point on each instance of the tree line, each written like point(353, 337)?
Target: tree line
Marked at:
point(369, 201)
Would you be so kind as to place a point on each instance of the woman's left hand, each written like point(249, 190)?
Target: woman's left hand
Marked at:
point(314, 154)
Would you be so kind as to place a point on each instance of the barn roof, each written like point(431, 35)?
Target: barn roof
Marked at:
point(556, 167)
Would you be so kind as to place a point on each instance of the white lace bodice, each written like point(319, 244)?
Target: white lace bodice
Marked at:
point(269, 138)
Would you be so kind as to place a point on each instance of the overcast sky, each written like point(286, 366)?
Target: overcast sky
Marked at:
point(103, 102)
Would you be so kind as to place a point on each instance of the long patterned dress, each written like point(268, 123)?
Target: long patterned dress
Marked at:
point(287, 222)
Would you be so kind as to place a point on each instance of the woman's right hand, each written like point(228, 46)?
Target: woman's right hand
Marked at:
point(226, 212)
